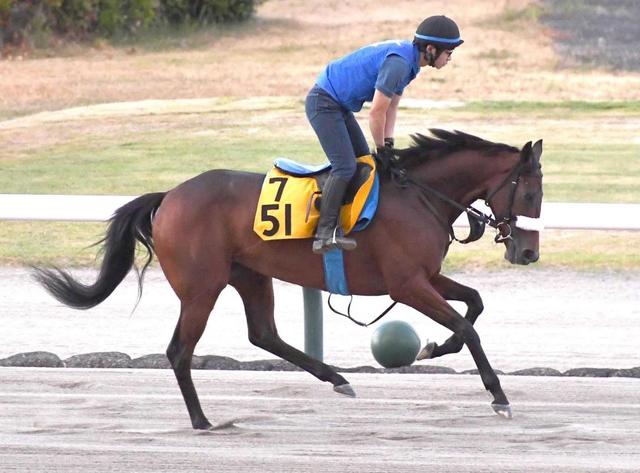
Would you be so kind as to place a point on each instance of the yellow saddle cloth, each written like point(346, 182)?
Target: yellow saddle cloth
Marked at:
point(287, 206)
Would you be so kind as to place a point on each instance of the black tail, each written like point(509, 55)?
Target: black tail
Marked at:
point(129, 224)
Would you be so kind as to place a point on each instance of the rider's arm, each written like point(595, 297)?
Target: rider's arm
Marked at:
point(378, 117)
point(392, 111)
point(384, 107)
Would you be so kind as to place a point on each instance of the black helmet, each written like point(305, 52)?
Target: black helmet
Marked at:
point(439, 31)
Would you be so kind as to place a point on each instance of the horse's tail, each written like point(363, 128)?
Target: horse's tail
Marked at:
point(131, 223)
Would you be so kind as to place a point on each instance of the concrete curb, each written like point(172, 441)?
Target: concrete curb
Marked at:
point(41, 359)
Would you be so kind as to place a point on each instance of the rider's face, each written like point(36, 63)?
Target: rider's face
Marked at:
point(443, 59)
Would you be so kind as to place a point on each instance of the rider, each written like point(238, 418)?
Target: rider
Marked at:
point(377, 73)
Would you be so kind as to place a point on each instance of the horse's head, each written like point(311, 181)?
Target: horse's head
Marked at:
point(516, 201)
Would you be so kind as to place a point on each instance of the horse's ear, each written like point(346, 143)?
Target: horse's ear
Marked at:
point(526, 152)
point(536, 150)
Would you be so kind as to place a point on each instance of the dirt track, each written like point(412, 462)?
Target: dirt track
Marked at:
point(532, 317)
point(122, 421)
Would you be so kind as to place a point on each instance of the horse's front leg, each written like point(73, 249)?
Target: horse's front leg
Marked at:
point(420, 294)
point(453, 291)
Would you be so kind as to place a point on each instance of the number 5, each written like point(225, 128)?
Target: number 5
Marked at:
point(270, 218)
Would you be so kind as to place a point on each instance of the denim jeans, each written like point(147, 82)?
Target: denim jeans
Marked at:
point(338, 131)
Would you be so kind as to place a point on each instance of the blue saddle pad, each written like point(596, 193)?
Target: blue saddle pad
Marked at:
point(297, 169)
point(333, 260)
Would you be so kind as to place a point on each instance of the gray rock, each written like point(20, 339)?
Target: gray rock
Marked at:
point(475, 371)
point(197, 362)
point(39, 359)
point(44, 359)
point(628, 373)
point(155, 361)
point(269, 365)
point(590, 372)
point(214, 362)
point(538, 371)
point(112, 359)
point(421, 369)
point(359, 369)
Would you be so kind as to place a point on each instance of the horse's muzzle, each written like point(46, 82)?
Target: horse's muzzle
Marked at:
point(528, 256)
point(522, 257)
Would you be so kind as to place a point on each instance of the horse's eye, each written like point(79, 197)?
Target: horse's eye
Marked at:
point(529, 197)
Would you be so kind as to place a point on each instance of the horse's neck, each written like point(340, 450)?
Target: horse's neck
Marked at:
point(465, 177)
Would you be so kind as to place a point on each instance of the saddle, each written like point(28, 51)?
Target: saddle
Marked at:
point(291, 197)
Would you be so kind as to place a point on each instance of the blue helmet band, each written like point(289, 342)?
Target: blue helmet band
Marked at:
point(438, 40)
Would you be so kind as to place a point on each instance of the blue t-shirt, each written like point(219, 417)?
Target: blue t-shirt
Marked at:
point(388, 66)
point(391, 78)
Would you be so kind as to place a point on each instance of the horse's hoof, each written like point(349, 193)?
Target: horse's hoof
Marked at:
point(427, 351)
point(503, 410)
point(345, 389)
point(204, 425)
point(227, 424)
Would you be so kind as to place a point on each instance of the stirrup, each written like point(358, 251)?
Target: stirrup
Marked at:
point(322, 245)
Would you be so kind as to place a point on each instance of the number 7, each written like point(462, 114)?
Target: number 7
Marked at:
point(281, 183)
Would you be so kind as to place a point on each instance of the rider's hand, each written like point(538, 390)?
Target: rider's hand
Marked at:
point(385, 157)
point(385, 153)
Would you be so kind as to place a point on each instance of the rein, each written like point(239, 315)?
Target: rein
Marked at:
point(357, 322)
point(477, 219)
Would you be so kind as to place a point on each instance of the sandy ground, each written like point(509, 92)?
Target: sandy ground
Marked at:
point(533, 318)
point(65, 420)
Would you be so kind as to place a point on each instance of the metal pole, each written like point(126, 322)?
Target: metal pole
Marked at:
point(313, 338)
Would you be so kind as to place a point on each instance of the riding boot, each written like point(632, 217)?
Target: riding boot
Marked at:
point(328, 235)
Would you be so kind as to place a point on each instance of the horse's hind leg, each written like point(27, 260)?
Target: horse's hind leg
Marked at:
point(256, 291)
point(453, 291)
point(421, 295)
point(194, 313)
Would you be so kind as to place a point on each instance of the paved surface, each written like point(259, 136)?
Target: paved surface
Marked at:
point(596, 32)
point(68, 420)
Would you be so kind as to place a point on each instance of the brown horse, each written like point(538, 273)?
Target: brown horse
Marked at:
point(201, 233)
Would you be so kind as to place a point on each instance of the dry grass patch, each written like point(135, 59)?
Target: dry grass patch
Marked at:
point(280, 52)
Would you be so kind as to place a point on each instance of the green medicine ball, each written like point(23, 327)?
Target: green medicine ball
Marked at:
point(395, 344)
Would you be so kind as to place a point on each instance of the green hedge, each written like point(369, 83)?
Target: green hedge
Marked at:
point(23, 20)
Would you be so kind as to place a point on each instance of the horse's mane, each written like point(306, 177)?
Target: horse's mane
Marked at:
point(445, 142)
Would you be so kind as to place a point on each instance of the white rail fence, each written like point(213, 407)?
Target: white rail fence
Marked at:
point(101, 207)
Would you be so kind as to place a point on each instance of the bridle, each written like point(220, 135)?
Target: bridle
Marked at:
point(477, 218)
point(503, 224)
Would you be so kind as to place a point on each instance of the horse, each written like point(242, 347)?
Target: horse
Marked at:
point(202, 235)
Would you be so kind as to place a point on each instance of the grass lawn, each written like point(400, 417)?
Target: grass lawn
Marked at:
point(142, 116)
point(591, 161)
